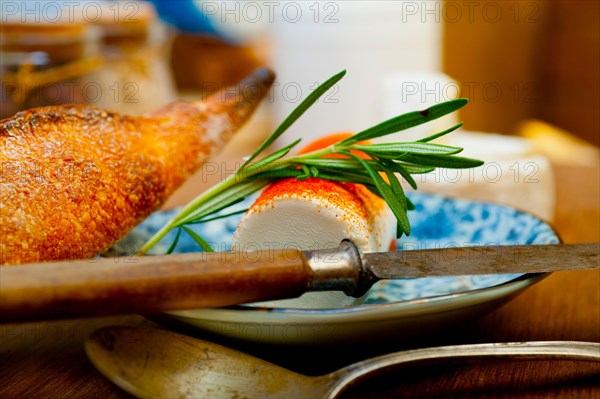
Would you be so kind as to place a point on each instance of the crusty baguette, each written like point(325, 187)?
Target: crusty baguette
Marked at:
point(74, 178)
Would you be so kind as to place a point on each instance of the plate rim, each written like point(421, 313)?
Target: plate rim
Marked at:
point(354, 313)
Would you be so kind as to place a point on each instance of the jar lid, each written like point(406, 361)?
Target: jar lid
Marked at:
point(31, 34)
point(30, 22)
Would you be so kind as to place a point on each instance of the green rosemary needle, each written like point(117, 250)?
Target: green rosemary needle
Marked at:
point(387, 159)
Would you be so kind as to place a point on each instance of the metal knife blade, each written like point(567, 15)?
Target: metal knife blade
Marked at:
point(483, 260)
point(346, 269)
point(84, 288)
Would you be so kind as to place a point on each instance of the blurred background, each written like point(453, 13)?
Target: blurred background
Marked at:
point(516, 60)
point(530, 69)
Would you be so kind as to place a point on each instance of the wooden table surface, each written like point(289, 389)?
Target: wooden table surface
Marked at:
point(46, 359)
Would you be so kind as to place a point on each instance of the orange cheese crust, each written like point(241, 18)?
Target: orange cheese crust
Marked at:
point(327, 192)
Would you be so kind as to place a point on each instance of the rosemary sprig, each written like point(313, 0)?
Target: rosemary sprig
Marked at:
point(377, 173)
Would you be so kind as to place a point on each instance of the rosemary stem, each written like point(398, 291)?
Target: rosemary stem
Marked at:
point(156, 238)
point(309, 155)
point(205, 196)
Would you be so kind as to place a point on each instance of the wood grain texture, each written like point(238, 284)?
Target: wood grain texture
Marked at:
point(48, 291)
point(46, 360)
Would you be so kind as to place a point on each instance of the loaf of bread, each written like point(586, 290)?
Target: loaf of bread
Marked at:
point(74, 179)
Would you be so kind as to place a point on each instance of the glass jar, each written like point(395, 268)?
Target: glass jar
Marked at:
point(118, 60)
point(46, 64)
point(135, 48)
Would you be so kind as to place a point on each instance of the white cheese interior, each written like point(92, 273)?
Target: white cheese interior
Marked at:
point(297, 223)
point(301, 223)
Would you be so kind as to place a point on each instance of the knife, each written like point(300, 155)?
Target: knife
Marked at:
point(108, 286)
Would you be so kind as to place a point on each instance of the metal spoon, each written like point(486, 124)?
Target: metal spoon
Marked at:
point(152, 363)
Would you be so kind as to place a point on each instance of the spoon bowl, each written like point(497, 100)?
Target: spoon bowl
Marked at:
point(153, 363)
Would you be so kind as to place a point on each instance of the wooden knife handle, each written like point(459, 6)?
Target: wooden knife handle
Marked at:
point(152, 283)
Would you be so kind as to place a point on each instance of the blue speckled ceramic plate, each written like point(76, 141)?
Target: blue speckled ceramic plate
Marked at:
point(393, 308)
